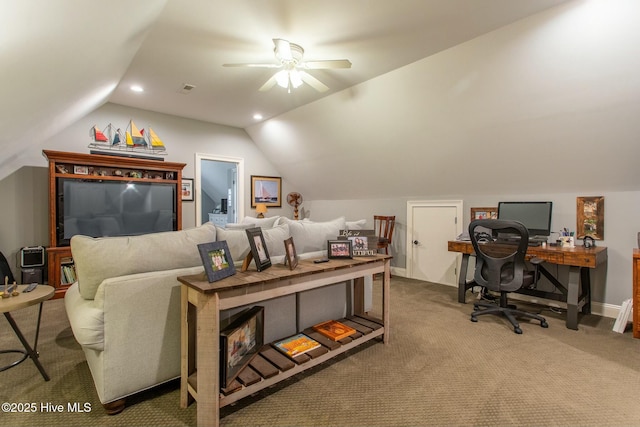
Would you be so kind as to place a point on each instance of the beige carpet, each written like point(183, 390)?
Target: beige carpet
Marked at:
point(439, 369)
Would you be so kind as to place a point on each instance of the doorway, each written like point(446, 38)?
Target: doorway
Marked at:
point(430, 225)
point(219, 189)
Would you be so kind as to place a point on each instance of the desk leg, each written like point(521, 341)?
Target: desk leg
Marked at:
point(585, 280)
point(462, 278)
point(33, 354)
point(573, 295)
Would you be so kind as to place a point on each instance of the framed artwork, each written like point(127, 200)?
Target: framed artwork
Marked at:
point(259, 251)
point(266, 190)
point(339, 249)
point(590, 217)
point(216, 259)
point(187, 190)
point(291, 257)
point(240, 342)
point(484, 213)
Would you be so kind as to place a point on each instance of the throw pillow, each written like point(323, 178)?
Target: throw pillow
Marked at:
point(311, 236)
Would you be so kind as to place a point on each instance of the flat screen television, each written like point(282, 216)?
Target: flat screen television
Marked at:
point(536, 216)
point(113, 208)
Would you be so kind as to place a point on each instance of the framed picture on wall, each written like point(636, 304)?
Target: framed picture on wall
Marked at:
point(590, 217)
point(187, 190)
point(266, 190)
point(484, 213)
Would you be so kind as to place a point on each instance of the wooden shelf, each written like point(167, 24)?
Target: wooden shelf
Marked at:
point(99, 168)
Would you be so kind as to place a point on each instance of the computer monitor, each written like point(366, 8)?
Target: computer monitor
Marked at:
point(536, 216)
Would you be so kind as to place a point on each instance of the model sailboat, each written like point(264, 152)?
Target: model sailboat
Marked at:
point(133, 140)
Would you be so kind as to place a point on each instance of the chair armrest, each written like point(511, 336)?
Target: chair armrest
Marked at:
point(536, 261)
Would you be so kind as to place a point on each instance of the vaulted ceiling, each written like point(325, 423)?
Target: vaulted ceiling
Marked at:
point(63, 59)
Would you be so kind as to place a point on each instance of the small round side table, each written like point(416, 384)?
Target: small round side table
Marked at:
point(38, 296)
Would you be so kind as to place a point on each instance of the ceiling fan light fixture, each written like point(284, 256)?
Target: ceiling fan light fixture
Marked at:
point(282, 78)
point(296, 80)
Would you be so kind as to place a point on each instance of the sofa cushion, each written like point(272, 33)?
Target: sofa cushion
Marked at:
point(357, 225)
point(309, 236)
point(238, 242)
point(261, 222)
point(99, 258)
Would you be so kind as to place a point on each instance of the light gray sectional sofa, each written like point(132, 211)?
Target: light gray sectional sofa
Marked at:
point(124, 308)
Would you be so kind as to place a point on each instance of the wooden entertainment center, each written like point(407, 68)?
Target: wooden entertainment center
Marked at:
point(98, 168)
point(202, 301)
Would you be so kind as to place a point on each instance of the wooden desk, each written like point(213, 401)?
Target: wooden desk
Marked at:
point(200, 321)
point(636, 293)
point(577, 293)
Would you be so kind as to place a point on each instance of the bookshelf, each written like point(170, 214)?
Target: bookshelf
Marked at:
point(98, 168)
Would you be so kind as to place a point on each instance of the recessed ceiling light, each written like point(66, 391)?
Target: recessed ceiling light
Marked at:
point(257, 116)
point(137, 88)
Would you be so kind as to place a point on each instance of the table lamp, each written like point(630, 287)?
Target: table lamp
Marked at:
point(261, 209)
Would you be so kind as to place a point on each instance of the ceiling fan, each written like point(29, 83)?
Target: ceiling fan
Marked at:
point(293, 69)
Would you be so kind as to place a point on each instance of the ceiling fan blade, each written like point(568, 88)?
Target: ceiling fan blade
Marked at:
point(329, 63)
point(268, 84)
point(253, 65)
point(283, 49)
point(313, 82)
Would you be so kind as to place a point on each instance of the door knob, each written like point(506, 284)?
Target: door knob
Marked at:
point(415, 242)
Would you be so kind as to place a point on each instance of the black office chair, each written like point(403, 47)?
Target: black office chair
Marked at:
point(500, 267)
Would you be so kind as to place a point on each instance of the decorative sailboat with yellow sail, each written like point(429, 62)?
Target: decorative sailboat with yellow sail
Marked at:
point(155, 142)
point(133, 137)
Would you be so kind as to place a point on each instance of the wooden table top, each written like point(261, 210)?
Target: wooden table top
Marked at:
point(276, 273)
point(22, 300)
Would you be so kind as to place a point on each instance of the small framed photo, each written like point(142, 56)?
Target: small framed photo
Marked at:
point(240, 342)
point(259, 250)
point(339, 249)
point(484, 213)
point(80, 170)
point(266, 190)
point(186, 190)
point(216, 259)
point(291, 257)
point(363, 242)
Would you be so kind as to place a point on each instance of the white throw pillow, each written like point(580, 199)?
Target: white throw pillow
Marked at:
point(238, 242)
point(357, 225)
point(311, 236)
point(261, 222)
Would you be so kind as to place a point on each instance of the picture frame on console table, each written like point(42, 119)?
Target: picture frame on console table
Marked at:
point(590, 217)
point(216, 259)
point(240, 342)
point(259, 251)
point(266, 190)
point(363, 242)
point(339, 249)
point(291, 257)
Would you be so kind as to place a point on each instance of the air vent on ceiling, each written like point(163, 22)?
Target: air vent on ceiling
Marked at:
point(186, 88)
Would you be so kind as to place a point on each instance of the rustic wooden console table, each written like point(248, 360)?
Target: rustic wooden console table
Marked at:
point(200, 320)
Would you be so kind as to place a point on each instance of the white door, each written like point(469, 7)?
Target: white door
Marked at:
point(430, 226)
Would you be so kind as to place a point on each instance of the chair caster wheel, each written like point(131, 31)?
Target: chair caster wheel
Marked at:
point(517, 330)
point(474, 319)
point(544, 324)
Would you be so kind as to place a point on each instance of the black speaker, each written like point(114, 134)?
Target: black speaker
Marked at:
point(32, 257)
point(32, 275)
